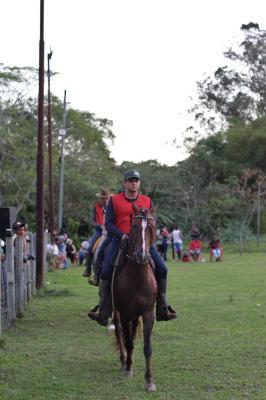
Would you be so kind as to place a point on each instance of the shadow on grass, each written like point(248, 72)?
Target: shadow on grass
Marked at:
point(47, 291)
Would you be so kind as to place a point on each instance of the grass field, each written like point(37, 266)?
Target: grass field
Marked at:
point(216, 349)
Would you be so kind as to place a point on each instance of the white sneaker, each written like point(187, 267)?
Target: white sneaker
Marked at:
point(111, 327)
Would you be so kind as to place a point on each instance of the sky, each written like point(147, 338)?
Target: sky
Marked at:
point(135, 62)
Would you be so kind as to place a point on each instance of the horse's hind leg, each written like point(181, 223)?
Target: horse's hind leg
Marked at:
point(120, 339)
point(148, 320)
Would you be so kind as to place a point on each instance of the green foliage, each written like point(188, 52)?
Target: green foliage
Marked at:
point(231, 233)
point(237, 90)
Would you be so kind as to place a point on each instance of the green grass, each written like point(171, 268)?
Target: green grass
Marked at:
point(214, 350)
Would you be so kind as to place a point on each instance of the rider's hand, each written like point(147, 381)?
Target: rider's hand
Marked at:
point(124, 236)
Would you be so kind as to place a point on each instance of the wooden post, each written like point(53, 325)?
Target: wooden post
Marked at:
point(33, 264)
point(25, 283)
point(10, 274)
point(0, 297)
point(19, 277)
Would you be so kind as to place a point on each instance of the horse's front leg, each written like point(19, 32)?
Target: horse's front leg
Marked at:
point(120, 339)
point(129, 345)
point(148, 320)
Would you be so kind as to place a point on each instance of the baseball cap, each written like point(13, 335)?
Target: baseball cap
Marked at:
point(132, 173)
point(17, 225)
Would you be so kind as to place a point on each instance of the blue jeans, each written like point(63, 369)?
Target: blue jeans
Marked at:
point(92, 240)
point(107, 270)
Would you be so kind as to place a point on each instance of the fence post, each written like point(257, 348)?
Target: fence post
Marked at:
point(0, 297)
point(10, 274)
point(33, 264)
point(19, 291)
point(45, 263)
point(25, 283)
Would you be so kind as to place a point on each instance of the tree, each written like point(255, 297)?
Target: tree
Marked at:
point(238, 90)
point(88, 164)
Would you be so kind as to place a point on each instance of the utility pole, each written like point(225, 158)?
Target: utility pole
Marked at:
point(50, 160)
point(258, 214)
point(40, 162)
point(62, 133)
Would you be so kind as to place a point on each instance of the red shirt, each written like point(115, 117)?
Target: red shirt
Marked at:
point(123, 211)
point(99, 213)
point(194, 244)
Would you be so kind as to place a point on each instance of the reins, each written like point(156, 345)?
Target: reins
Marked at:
point(143, 217)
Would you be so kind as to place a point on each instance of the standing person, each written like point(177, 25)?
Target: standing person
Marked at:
point(194, 232)
point(177, 238)
point(60, 241)
point(20, 229)
point(159, 241)
point(71, 252)
point(118, 220)
point(165, 236)
point(97, 221)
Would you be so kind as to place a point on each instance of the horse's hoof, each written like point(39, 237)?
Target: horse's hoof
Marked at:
point(150, 387)
point(127, 374)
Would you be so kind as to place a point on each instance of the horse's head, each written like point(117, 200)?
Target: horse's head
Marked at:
point(142, 234)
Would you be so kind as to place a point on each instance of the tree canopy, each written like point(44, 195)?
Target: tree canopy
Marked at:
point(220, 184)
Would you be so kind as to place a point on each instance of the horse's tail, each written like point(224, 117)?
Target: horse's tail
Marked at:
point(137, 330)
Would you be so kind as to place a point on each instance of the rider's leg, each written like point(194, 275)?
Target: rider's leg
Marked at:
point(89, 255)
point(164, 312)
point(105, 304)
point(99, 257)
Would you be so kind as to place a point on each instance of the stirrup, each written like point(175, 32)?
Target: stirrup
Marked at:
point(96, 316)
point(92, 281)
point(94, 309)
point(166, 314)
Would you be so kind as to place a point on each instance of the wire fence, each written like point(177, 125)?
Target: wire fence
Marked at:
point(18, 279)
point(5, 315)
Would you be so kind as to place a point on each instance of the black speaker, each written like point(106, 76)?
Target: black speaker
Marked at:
point(7, 218)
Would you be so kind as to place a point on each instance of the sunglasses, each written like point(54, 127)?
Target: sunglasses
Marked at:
point(133, 179)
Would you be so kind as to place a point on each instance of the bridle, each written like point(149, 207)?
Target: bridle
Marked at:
point(141, 254)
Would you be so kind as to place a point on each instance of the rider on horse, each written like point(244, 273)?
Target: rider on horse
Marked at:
point(98, 217)
point(118, 220)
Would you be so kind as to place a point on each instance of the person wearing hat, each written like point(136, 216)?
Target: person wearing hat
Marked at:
point(98, 217)
point(19, 229)
point(119, 215)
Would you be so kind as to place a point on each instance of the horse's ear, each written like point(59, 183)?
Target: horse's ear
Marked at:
point(135, 208)
point(152, 211)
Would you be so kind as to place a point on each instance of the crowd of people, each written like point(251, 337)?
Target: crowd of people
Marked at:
point(111, 220)
point(174, 238)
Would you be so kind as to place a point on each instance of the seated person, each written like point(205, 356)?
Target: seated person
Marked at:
point(194, 249)
point(215, 250)
point(185, 257)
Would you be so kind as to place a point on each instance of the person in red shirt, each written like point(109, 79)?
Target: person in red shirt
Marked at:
point(185, 257)
point(194, 249)
point(98, 217)
point(119, 215)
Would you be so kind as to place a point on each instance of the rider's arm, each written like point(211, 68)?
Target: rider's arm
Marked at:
point(109, 221)
point(94, 223)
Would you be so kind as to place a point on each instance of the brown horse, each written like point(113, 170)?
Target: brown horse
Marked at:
point(134, 294)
